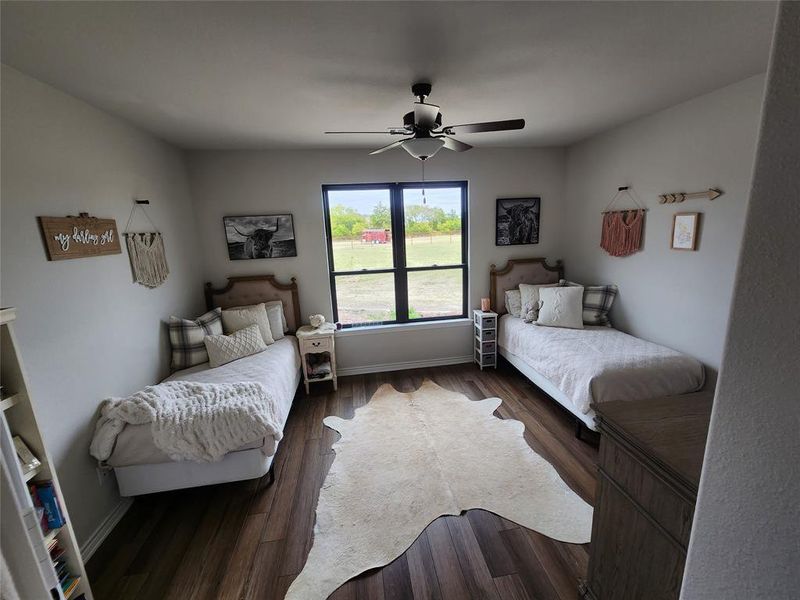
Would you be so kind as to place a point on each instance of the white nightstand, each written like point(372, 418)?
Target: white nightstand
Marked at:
point(484, 324)
point(318, 348)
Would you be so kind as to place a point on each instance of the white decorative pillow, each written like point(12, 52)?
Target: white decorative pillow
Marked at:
point(529, 297)
point(275, 314)
point(561, 307)
point(239, 317)
point(283, 314)
point(223, 349)
point(514, 303)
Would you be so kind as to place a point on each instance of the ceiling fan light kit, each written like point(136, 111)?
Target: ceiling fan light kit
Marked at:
point(424, 134)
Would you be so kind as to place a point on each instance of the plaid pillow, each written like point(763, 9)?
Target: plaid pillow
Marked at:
point(597, 301)
point(186, 337)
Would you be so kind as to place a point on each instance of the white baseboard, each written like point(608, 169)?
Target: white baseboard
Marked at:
point(91, 545)
point(402, 366)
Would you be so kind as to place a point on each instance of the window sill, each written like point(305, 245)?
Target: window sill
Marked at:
point(406, 327)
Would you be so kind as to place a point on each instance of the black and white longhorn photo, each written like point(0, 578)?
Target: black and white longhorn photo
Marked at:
point(266, 236)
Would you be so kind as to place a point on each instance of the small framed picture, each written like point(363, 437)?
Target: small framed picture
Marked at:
point(517, 221)
point(684, 231)
point(265, 236)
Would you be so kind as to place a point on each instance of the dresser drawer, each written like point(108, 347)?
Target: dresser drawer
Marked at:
point(650, 489)
point(317, 344)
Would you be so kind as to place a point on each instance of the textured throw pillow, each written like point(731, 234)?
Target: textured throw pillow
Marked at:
point(529, 298)
point(283, 314)
point(513, 303)
point(223, 349)
point(186, 337)
point(561, 307)
point(274, 313)
point(239, 317)
point(597, 301)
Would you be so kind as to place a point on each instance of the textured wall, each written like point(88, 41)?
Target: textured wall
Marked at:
point(746, 537)
point(86, 331)
point(676, 298)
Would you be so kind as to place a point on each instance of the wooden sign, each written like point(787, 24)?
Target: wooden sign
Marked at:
point(79, 237)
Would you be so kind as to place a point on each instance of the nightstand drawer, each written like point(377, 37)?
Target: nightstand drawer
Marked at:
point(317, 344)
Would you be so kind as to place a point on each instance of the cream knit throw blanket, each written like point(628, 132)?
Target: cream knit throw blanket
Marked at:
point(190, 421)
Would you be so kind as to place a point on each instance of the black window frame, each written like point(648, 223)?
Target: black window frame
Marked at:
point(399, 268)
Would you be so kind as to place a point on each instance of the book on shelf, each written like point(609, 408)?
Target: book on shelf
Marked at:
point(27, 460)
point(68, 586)
point(44, 495)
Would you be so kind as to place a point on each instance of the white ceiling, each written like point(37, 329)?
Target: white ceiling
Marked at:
point(276, 75)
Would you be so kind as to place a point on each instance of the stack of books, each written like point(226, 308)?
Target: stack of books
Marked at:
point(45, 499)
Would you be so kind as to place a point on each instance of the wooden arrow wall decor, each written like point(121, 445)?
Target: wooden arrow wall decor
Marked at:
point(710, 193)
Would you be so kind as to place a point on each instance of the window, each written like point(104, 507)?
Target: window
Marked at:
point(397, 255)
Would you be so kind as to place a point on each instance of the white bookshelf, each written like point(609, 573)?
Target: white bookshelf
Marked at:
point(484, 324)
point(24, 544)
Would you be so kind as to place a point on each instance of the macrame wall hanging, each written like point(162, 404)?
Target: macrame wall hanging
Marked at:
point(622, 229)
point(146, 251)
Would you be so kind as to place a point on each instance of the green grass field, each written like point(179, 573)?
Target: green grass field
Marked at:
point(370, 297)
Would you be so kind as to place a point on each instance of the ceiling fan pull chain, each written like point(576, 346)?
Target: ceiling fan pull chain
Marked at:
point(423, 182)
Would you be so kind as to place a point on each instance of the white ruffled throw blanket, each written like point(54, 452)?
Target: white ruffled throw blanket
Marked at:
point(190, 421)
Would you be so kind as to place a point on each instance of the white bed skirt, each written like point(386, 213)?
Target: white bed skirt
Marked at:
point(135, 480)
point(547, 386)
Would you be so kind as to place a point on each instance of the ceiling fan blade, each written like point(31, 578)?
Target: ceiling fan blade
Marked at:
point(396, 144)
point(425, 115)
point(488, 126)
point(454, 144)
point(393, 131)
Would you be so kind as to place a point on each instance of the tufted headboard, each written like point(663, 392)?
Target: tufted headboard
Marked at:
point(520, 270)
point(253, 289)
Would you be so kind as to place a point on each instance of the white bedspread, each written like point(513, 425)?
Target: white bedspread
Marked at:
point(277, 368)
point(598, 364)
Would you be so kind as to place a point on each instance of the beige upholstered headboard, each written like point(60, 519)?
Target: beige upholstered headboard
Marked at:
point(254, 289)
point(520, 270)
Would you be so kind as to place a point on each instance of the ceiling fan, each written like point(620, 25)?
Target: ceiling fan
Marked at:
point(423, 132)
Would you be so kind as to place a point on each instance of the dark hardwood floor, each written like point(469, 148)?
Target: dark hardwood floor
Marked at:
point(249, 540)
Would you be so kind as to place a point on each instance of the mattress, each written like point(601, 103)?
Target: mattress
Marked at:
point(599, 364)
point(277, 368)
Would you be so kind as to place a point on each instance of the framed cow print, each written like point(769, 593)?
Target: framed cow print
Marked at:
point(265, 236)
point(517, 221)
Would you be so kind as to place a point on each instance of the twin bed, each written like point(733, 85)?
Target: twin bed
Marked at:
point(141, 468)
point(581, 367)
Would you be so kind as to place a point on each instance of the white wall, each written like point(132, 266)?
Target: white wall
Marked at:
point(237, 183)
point(86, 331)
point(676, 298)
point(746, 538)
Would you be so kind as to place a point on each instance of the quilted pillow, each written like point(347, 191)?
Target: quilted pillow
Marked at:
point(514, 303)
point(597, 301)
point(223, 349)
point(561, 307)
point(239, 317)
point(186, 337)
point(529, 295)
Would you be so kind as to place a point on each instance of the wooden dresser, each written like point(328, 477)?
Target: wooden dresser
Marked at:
point(651, 453)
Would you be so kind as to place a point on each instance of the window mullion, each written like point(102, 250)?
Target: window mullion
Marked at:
point(399, 250)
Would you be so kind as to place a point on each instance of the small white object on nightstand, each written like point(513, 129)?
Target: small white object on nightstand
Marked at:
point(484, 325)
point(318, 344)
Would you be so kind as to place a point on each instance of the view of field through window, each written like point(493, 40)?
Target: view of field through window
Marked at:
point(361, 235)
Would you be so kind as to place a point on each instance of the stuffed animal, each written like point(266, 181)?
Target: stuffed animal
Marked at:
point(316, 321)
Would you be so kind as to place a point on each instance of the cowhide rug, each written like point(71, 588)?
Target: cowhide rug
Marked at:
point(407, 458)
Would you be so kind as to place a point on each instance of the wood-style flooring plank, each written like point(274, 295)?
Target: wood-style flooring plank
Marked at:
point(249, 539)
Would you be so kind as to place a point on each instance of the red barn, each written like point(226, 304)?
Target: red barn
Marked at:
point(376, 236)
